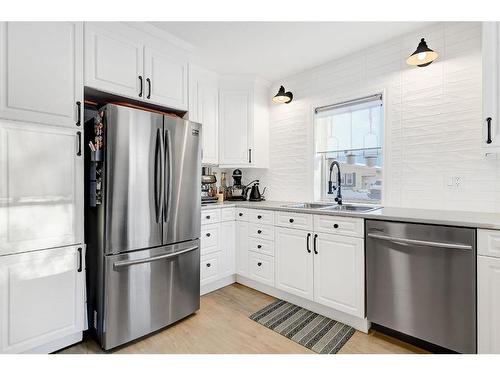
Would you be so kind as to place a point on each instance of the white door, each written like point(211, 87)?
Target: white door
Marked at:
point(488, 305)
point(41, 187)
point(41, 71)
point(166, 79)
point(491, 86)
point(228, 243)
point(41, 297)
point(114, 62)
point(242, 248)
point(339, 273)
point(294, 261)
point(234, 125)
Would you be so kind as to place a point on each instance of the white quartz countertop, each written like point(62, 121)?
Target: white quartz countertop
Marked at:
point(412, 215)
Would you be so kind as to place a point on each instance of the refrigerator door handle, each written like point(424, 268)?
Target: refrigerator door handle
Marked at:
point(125, 263)
point(168, 176)
point(158, 180)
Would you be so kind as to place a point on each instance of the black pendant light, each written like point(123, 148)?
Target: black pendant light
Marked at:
point(282, 96)
point(422, 56)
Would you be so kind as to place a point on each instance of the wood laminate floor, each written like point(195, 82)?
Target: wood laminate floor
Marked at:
point(222, 326)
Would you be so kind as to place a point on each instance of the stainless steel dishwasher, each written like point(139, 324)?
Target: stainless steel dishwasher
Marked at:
point(421, 281)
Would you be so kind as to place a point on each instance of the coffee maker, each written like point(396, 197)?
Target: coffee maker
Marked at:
point(208, 187)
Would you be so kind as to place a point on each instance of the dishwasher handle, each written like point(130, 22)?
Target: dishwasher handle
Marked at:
point(125, 263)
point(408, 241)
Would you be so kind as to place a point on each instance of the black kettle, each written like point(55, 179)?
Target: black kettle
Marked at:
point(255, 195)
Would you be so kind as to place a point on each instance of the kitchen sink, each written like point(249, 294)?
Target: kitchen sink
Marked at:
point(351, 208)
point(309, 205)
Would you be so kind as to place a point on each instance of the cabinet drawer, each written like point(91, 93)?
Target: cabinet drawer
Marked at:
point(265, 232)
point(261, 268)
point(241, 214)
point(210, 267)
point(261, 217)
point(294, 220)
point(227, 214)
point(210, 238)
point(210, 216)
point(348, 226)
point(488, 242)
point(261, 246)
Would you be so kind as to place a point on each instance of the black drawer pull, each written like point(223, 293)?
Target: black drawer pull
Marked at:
point(307, 245)
point(79, 146)
point(208, 234)
point(259, 246)
point(335, 226)
point(259, 264)
point(78, 113)
point(140, 92)
point(291, 220)
point(207, 217)
point(259, 217)
point(259, 231)
point(80, 260)
point(149, 85)
point(488, 121)
point(240, 214)
point(208, 264)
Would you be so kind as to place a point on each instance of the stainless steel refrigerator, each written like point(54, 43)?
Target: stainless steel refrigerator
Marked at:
point(143, 234)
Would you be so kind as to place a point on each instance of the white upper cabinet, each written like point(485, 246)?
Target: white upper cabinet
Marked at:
point(339, 273)
point(491, 87)
point(41, 187)
point(204, 108)
point(294, 262)
point(113, 62)
point(41, 298)
point(166, 79)
point(243, 123)
point(128, 62)
point(41, 72)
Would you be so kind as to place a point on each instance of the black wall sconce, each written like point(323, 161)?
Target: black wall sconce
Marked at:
point(422, 56)
point(282, 96)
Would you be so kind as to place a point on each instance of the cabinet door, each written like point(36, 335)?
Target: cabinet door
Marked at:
point(41, 297)
point(488, 305)
point(491, 86)
point(113, 62)
point(228, 243)
point(242, 248)
point(208, 116)
point(41, 72)
point(166, 79)
point(41, 187)
point(234, 122)
point(339, 273)
point(294, 261)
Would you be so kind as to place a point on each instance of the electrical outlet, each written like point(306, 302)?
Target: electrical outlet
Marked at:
point(454, 182)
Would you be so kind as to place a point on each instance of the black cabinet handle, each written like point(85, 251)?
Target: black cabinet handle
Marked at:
point(291, 220)
point(259, 217)
point(259, 264)
point(140, 81)
point(208, 234)
point(208, 264)
point(315, 237)
point(308, 248)
point(259, 231)
point(488, 122)
point(335, 226)
point(240, 214)
point(249, 155)
point(207, 217)
point(149, 88)
point(78, 113)
point(259, 246)
point(79, 146)
point(80, 260)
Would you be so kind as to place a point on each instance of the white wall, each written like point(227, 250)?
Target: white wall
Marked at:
point(433, 122)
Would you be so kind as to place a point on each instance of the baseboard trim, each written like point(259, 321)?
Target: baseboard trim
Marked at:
point(221, 283)
point(358, 323)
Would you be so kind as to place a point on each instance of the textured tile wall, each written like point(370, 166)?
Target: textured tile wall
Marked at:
point(433, 122)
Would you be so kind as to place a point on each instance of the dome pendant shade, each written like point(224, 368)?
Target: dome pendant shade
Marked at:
point(422, 56)
point(282, 96)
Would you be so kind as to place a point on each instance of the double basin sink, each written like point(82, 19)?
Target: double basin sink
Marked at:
point(333, 207)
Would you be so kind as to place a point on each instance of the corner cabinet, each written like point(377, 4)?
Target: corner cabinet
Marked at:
point(133, 64)
point(491, 87)
point(41, 298)
point(41, 72)
point(244, 123)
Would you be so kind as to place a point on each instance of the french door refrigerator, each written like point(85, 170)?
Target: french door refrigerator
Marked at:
point(143, 232)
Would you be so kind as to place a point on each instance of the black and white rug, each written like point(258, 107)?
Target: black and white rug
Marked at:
point(316, 332)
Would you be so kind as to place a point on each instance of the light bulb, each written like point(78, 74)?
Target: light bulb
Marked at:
point(422, 55)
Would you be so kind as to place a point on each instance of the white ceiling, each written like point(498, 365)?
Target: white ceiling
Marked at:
point(274, 50)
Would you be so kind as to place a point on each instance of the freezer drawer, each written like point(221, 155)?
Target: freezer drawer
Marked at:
point(421, 281)
point(148, 290)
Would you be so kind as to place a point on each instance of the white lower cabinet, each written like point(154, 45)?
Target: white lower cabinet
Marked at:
point(261, 268)
point(339, 273)
point(242, 248)
point(488, 310)
point(228, 243)
point(294, 262)
point(41, 297)
point(210, 267)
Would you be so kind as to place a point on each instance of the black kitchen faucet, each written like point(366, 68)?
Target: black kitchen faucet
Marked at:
point(331, 188)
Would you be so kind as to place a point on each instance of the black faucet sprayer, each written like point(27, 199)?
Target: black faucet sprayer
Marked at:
point(331, 188)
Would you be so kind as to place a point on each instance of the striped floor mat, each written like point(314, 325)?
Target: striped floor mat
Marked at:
point(316, 332)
